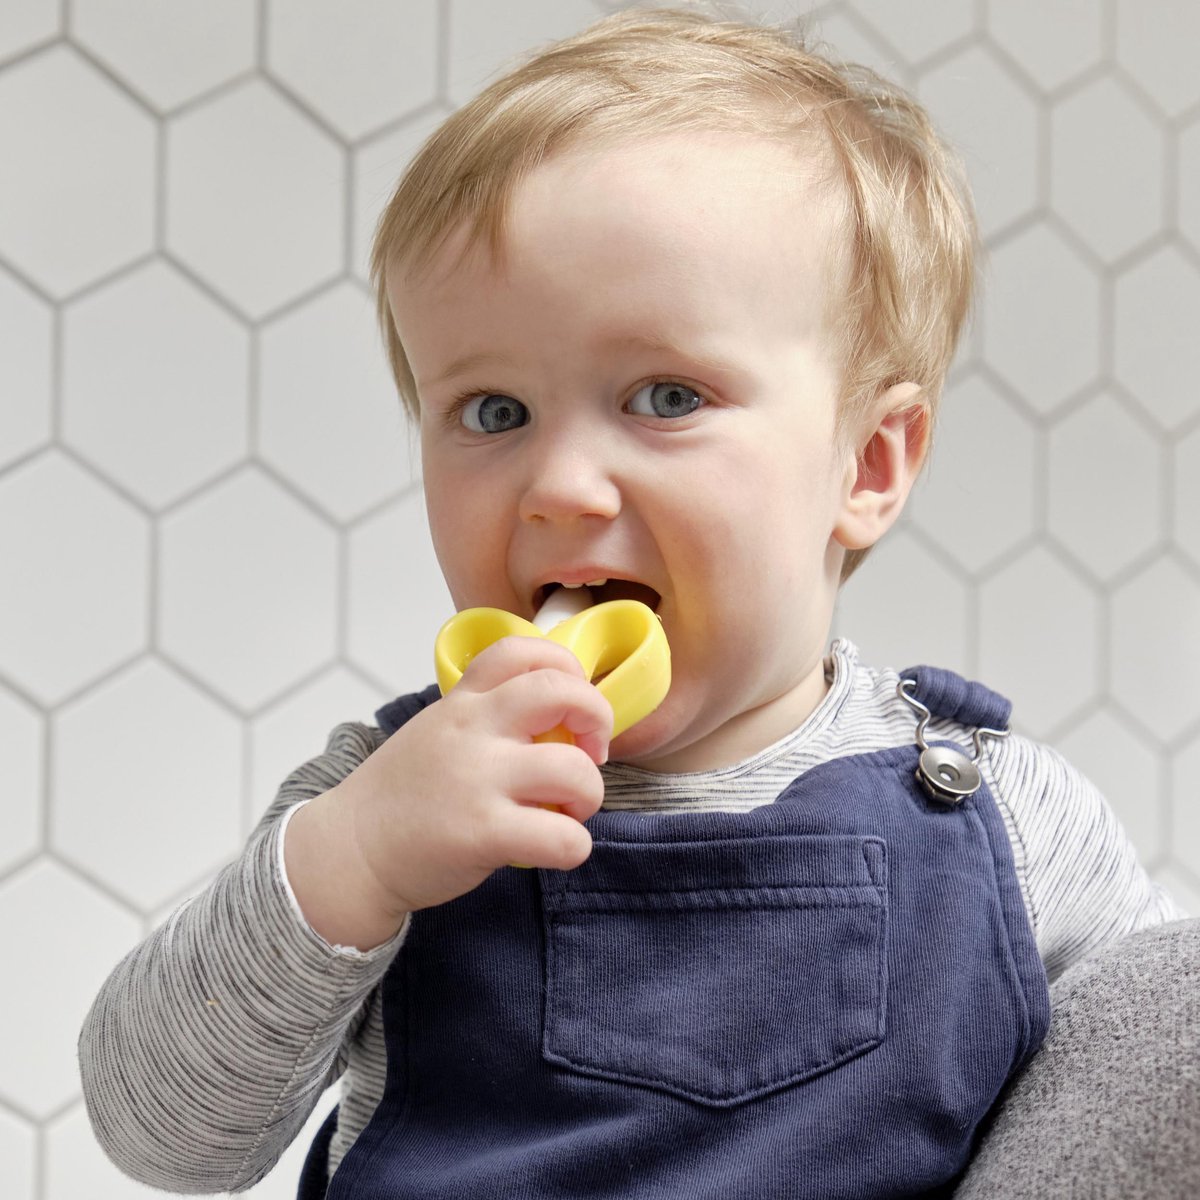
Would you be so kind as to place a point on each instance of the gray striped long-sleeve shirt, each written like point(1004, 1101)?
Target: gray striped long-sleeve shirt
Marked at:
point(211, 1042)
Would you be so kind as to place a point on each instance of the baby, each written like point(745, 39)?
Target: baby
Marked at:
point(672, 305)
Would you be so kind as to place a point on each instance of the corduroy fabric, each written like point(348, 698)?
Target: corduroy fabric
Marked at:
point(822, 997)
point(956, 699)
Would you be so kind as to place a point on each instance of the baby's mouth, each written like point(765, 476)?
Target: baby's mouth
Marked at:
point(608, 589)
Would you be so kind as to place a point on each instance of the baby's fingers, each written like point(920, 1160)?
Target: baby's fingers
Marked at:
point(545, 700)
point(537, 837)
point(512, 657)
point(558, 775)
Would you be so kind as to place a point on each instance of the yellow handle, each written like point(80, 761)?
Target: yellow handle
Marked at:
point(620, 643)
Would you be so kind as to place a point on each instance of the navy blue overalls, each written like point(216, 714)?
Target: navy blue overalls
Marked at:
point(819, 998)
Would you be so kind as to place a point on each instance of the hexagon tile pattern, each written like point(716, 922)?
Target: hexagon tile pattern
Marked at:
point(212, 539)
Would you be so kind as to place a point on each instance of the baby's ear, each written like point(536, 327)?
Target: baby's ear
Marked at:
point(889, 457)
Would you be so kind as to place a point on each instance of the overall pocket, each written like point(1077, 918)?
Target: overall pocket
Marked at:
point(717, 970)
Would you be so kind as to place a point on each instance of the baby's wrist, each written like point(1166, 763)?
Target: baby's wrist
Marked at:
point(338, 894)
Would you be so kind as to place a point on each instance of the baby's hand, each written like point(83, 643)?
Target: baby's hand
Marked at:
point(463, 789)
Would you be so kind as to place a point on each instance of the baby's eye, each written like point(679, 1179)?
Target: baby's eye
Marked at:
point(665, 399)
point(493, 414)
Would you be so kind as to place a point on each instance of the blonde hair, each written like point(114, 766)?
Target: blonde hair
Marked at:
point(908, 261)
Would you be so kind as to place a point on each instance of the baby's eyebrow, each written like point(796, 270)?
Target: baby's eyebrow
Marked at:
point(467, 362)
point(659, 343)
point(656, 343)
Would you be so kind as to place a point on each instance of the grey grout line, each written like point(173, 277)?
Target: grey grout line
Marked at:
point(1104, 635)
point(313, 505)
point(1106, 330)
point(19, 277)
point(49, 761)
point(310, 112)
point(154, 586)
point(1107, 588)
point(342, 596)
point(260, 40)
point(246, 800)
point(349, 209)
point(442, 50)
point(40, 1163)
point(101, 477)
point(1167, 514)
point(1108, 30)
point(160, 187)
point(109, 278)
point(1044, 165)
point(127, 89)
point(210, 95)
point(302, 299)
point(95, 881)
point(24, 55)
point(1171, 182)
point(57, 374)
point(254, 394)
point(202, 285)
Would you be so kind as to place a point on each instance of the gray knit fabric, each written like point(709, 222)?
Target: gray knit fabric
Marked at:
point(1110, 1107)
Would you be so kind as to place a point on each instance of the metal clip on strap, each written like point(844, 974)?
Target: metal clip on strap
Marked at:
point(948, 776)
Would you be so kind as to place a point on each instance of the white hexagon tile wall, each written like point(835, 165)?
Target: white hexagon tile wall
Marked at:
point(201, 570)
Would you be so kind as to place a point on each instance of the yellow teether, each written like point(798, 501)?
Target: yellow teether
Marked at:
point(620, 643)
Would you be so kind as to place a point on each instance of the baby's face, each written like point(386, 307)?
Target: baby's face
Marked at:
point(645, 393)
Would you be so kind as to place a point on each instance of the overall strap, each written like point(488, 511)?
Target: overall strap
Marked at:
point(395, 712)
point(957, 699)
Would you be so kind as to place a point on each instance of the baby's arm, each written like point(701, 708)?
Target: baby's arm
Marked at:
point(212, 1041)
point(1082, 877)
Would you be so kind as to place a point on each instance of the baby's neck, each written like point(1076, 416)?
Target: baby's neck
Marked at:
point(746, 734)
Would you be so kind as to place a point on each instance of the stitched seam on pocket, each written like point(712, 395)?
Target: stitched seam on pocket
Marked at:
point(774, 905)
point(714, 898)
point(718, 1099)
point(725, 1099)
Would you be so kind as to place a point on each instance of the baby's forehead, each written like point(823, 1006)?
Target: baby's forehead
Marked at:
point(696, 241)
point(698, 231)
point(698, 193)
point(800, 165)
point(685, 176)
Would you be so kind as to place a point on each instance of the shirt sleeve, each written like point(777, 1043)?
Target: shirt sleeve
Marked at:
point(1082, 881)
point(210, 1043)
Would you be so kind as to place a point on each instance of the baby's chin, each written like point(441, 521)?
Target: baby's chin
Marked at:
point(655, 743)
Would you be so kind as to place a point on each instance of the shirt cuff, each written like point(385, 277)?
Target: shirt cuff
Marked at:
point(387, 948)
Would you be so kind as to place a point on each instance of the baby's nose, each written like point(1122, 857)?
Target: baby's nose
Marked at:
point(569, 484)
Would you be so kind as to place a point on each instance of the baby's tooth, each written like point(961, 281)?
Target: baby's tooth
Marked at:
point(596, 582)
point(572, 585)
